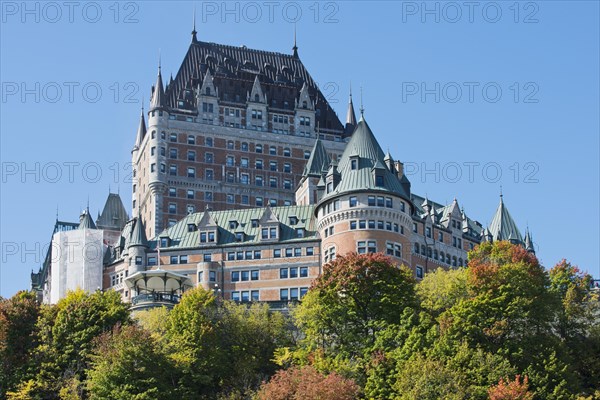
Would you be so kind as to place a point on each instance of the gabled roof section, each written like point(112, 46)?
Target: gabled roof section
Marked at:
point(305, 97)
point(207, 220)
point(503, 227)
point(268, 217)
point(114, 216)
point(207, 83)
point(364, 147)
point(257, 91)
point(318, 162)
point(235, 68)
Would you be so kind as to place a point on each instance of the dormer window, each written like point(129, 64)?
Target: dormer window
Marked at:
point(379, 180)
point(191, 227)
point(208, 91)
point(304, 104)
point(293, 220)
point(208, 237)
point(164, 242)
point(354, 163)
point(256, 98)
point(233, 224)
point(255, 223)
point(239, 237)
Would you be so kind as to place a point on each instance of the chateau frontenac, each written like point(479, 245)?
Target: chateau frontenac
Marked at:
point(247, 183)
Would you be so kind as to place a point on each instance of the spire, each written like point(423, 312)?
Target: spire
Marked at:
point(141, 133)
point(318, 162)
point(350, 116)
point(295, 48)
point(503, 227)
point(194, 38)
point(529, 242)
point(158, 95)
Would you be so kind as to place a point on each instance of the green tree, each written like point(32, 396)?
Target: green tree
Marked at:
point(18, 317)
point(355, 298)
point(127, 364)
point(65, 337)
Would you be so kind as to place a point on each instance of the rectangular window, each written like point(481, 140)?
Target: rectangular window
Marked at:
point(310, 251)
point(294, 294)
point(245, 296)
point(287, 167)
point(254, 294)
point(235, 276)
point(303, 272)
point(283, 294)
point(191, 156)
point(294, 272)
point(288, 252)
point(235, 296)
point(212, 276)
point(352, 224)
point(257, 255)
point(353, 201)
point(191, 194)
point(254, 275)
point(371, 201)
point(276, 253)
point(151, 261)
point(183, 259)
point(297, 252)
point(419, 272)
point(283, 273)
point(245, 276)
point(388, 202)
point(207, 257)
point(174, 260)
point(231, 256)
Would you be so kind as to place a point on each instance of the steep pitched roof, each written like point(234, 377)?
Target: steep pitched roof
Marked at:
point(366, 150)
point(86, 221)
point(529, 242)
point(141, 132)
point(503, 227)
point(350, 116)
point(158, 96)
point(114, 216)
point(318, 162)
point(235, 68)
point(138, 234)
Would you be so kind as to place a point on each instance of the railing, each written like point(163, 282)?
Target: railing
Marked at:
point(155, 298)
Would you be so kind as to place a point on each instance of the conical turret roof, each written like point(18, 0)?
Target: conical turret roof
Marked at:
point(503, 227)
point(138, 234)
point(318, 161)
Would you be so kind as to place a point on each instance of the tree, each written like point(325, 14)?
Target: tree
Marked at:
point(193, 344)
point(355, 297)
point(305, 383)
point(249, 336)
point(18, 317)
point(442, 289)
point(511, 390)
point(127, 364)
point(65, 337)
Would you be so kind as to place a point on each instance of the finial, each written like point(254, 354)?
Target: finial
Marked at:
point(350, 89)
point(87, 208)
point(295, 48)
point(159, 61)
point(501, 191)
point(57, 212)
point(194, 38)
point(362, 109)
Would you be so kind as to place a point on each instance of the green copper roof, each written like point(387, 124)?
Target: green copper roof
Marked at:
point(364, 148)
point(182, 237)
point(318, 162)
point(503, 227)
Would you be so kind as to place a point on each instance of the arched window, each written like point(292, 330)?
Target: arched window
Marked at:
point(442, 255)
point(423, 250)
point(417, 248)
point(429, 252)
point(454, 261)
point(435, 254)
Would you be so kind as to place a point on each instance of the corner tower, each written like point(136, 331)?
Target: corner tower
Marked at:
point(365, 207)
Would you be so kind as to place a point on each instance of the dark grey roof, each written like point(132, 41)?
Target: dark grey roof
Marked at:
point(364, 147)
point(138, 234)
point(141, 131)
point(114, 216)
point(441, 212)
point(235, 69)
point(318, 162)
point(529, 242)
point(350, 116)
point(503, 227)
point(86, 221)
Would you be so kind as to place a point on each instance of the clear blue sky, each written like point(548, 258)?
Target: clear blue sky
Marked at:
point(430, 80)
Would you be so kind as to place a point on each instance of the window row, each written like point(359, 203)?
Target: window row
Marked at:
point(366, 246)
point(292, 293)
point(244, 255)
point(293, 252)
point(229, 198)
point(245, 295)
point(212, 276)
point(381, 225)
point(293, 272)
point(244, 276)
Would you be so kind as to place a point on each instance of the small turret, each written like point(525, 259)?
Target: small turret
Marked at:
point(141, 133)
point(158, 93)
point(529, 242)
point(350, 117)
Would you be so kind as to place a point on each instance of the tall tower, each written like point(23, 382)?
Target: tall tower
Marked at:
point(365, 207)
point(232, 129)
